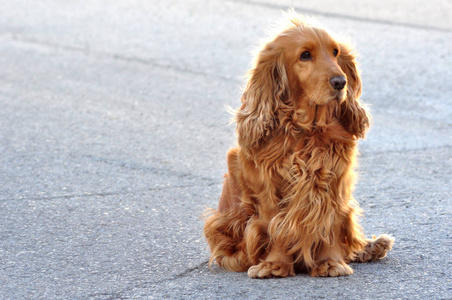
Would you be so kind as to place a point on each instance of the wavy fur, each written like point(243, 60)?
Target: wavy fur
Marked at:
point(287, 200)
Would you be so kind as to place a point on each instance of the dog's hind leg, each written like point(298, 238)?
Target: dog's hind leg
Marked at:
point(224, 233)
point(375, 249)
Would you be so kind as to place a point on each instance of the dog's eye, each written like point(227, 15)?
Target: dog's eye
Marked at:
point(335, 52)
point(305, 56)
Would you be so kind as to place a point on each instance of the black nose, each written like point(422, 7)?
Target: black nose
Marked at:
point(338, 82)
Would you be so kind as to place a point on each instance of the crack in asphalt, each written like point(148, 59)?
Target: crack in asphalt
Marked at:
point(89, 194)
point(118, 163)
point(344, 16)
point(120, 57)
point(120, 294)
point(105, 194)
point(421, 149)
point(184, 273)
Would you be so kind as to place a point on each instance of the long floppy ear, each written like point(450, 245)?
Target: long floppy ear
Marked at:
point(267, 86)
point(355, 116)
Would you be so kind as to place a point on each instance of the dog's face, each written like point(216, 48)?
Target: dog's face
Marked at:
point(311, 58)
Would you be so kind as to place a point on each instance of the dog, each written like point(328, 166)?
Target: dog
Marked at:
point(286, 205)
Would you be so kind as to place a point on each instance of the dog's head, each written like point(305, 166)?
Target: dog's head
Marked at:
point(311, 60)
point(301, 68)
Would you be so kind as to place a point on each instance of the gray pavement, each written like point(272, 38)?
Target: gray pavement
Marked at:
point(113, 136)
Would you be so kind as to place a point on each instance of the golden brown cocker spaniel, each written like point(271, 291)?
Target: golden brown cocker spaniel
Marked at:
point(287, 201)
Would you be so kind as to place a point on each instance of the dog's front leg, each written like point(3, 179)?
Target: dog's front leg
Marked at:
point(276, 264)
point(332, 264)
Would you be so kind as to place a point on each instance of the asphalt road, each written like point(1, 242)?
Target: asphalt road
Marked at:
point(113, 136)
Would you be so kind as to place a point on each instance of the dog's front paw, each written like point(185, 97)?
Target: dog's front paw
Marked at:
point(331, 268)
point(268, 269)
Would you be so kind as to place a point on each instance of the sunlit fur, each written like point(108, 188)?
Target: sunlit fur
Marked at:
point(287, 202)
